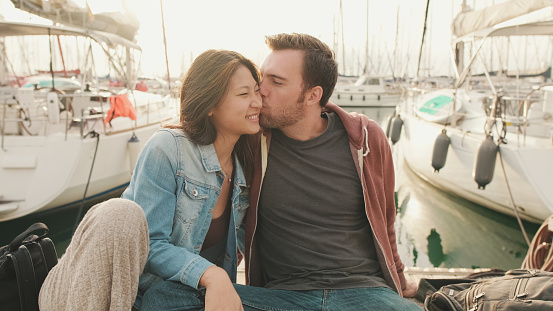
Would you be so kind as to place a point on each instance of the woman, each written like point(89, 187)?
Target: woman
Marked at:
point(191, 183)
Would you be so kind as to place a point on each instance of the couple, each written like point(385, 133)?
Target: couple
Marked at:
point(313, 215)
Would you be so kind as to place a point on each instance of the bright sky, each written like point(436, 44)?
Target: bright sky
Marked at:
point(240, 25)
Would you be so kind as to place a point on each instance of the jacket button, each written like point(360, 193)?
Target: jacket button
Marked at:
point(195, 192)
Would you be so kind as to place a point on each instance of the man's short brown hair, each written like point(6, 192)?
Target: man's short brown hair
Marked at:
point(319, 66)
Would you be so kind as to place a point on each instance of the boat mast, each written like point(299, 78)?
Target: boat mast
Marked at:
point(366, 69)
point(3, 67)
point(342, 34)
point(3, 63)
point(460, 46)
point(422, 40)
point(165, 44)
point(394, 67)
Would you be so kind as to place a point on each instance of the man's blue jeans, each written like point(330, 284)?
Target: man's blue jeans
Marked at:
point(176, 296)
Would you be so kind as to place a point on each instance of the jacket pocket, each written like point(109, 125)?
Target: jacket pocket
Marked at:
point(189, 209)
point(195, 191)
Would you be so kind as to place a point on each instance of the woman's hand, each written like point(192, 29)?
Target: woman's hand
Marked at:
point(219, 291)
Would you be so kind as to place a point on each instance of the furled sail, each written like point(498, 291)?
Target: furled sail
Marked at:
point(470, 21)
point(68, 13)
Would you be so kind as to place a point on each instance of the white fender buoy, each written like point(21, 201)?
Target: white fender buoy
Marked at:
point(53, 105)
point(134, 147)
point(395, 130)
point(439, 153)
point(484, 163)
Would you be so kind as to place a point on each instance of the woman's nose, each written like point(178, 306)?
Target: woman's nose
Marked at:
point(256, 102)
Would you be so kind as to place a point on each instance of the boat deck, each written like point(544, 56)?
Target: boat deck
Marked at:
point(411, 273)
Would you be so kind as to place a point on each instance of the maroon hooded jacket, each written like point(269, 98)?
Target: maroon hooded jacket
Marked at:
point(373, 159)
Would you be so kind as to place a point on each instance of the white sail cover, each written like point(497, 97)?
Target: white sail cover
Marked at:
point(467, 22)
point(8, 29)
point(68, 13)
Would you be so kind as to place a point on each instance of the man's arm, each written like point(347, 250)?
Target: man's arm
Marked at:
point(408, 288)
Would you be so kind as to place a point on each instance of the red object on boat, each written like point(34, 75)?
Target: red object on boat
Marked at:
point(141, 86)
point(120, 107)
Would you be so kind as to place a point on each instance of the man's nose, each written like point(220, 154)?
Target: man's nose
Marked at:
point(262, 88)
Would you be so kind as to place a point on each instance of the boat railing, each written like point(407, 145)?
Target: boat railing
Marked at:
point(530, 114)
point(25, 113)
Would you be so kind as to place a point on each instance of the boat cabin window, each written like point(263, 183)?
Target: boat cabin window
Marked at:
point(367, 81)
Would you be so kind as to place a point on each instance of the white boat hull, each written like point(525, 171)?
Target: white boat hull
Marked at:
point(528, 170)
point(43, 172)
point(369, 100)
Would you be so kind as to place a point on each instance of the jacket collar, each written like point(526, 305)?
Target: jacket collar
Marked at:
point(211, 163)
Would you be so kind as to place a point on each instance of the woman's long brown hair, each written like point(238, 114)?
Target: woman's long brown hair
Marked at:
point(203, 89)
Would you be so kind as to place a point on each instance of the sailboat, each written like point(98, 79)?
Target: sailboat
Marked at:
point(489, 138)
point(368, 91)
point(62, 147)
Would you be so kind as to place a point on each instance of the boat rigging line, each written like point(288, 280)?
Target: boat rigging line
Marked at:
point(511, 196)
point(500, 141)
point(81, 207)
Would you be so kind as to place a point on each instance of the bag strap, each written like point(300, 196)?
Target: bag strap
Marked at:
point(39, 229)
point(49, 252)
point(39, 264)
point(25, 274)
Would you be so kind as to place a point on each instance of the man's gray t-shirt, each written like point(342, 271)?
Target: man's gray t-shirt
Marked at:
point(313, 231)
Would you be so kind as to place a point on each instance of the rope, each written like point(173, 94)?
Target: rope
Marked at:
point(540, 252)
point(513, 200)
point(78, 219)
point(501, 140)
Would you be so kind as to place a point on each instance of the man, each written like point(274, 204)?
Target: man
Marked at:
point(320, 227)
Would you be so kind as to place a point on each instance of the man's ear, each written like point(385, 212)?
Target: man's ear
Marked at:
point(314, 95)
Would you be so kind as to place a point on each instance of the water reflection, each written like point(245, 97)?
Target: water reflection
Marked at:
point(435, 248)
point(438, 229)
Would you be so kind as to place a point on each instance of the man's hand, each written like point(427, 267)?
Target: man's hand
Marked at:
point(411, 289)
point(219, 291)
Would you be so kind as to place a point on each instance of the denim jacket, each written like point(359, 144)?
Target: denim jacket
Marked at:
point(177, 183)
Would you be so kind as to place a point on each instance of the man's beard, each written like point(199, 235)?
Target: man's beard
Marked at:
point(283, 116)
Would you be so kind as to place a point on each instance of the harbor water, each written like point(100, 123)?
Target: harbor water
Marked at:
point(434, 228)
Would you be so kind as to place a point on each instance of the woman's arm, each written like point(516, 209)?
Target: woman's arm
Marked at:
point(154, 188)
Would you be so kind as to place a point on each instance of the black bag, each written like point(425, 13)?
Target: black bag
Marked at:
point(519, 289)
point(24, 264)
